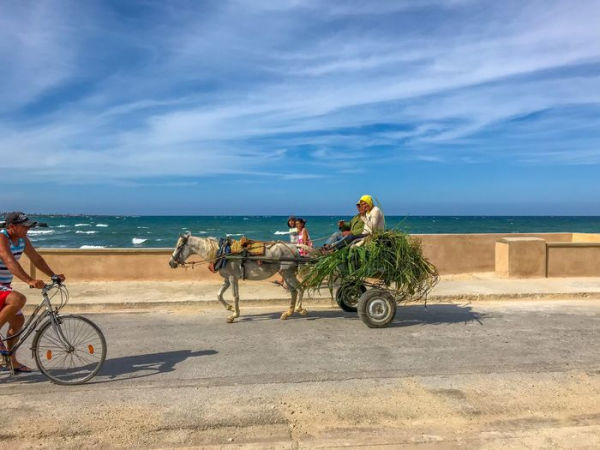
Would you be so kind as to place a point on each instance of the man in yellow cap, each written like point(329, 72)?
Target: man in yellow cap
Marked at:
point(371, 215)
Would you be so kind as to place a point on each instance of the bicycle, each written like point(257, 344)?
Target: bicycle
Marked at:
point(68, 349)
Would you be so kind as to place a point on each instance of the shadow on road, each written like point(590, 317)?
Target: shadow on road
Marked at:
point(127, 367)
point(405, 315)
point(139, 366)
point(435, 315)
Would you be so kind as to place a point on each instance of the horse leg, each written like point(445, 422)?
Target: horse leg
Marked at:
point(224, 287)
point(299, 308)
point(236, 299)
point(292, 283)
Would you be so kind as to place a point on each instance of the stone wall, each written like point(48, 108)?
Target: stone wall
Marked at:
point(450, 253)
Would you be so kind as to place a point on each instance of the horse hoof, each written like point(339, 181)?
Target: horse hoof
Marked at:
point(285, 315)
point(230, 319)
point(302, 311)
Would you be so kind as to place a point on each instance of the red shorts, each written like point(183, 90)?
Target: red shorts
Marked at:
point(3, 295)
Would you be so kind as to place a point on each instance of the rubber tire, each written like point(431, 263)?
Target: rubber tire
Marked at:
point(40, 364)
point(377, 308)
point(341, 298)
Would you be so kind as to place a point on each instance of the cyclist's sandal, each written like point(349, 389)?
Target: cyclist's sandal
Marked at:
point(19, 369)
point(23, 369)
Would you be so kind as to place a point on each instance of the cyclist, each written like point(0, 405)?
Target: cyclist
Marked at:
point(13, 242)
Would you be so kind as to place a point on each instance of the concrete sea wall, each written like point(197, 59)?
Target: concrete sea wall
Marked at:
point(516, 255)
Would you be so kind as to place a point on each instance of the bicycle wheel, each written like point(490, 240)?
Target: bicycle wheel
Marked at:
point(73, 358)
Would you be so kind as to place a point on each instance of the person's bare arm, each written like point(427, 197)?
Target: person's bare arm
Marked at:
point(38, 261)
point(13, 265)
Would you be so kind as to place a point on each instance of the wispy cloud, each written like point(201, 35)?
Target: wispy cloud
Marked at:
point(222, 88)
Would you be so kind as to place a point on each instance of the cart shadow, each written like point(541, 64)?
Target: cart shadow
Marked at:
point(438, 314)
point(127, 367)
point(405, 315)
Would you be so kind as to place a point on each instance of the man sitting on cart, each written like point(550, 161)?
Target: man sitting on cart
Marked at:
point(369, 219)
point(13, 242)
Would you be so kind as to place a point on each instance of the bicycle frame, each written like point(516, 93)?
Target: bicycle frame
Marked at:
point(34, 320)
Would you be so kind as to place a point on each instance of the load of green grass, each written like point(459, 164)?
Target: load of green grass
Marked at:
point(389, 259)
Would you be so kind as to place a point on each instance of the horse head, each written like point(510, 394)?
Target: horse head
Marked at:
point(182, 250)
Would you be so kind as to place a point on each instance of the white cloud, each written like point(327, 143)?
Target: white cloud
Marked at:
point(222, 91)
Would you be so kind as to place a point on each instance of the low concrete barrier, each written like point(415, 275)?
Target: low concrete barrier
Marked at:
point(471, 253)
point(450, 253)
point(535, 257)
point(573, 259)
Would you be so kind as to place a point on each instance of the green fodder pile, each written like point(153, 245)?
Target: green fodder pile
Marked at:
point(390, 258)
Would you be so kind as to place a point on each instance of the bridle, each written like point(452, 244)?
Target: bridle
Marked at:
point(183, 239)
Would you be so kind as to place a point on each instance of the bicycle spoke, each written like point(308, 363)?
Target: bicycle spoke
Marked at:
point(72, 354)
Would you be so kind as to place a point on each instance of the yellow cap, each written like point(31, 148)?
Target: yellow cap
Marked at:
point(367, 199)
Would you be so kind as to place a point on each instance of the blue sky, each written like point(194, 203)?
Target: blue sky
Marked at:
point(266, 107)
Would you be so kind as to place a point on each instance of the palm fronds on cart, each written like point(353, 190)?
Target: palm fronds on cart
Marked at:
point(390, 258)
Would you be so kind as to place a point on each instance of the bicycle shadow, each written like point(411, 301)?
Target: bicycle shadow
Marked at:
point(406, 315)
point(127, 367)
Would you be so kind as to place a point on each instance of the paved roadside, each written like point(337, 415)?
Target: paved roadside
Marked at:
point(123, 295)
point(492, 375)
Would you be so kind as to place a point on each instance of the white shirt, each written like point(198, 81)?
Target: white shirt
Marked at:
point(293, 235)
point(373, 220)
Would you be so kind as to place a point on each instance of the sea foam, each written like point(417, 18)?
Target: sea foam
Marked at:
point(36, 232)
point(92, 246)
point(85, 232)
point(83, 225)
point(138, 241)
point(103, 225)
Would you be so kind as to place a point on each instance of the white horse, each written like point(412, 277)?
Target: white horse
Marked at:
point(279, 257)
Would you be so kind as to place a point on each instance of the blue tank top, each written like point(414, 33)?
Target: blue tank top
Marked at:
point(17, 250)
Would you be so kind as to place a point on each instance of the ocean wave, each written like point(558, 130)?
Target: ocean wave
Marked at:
point(143, 227)
point(83, 224)
point(282, 232)
point(85, 232)
point(36, 232)
point(138, 241)
point(234, 234)
point(61, 226)
point(92, 246)
point(103, 225)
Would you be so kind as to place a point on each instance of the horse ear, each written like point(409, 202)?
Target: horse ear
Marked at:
point(187, 234)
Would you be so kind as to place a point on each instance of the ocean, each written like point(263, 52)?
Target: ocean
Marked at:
point(162, 231)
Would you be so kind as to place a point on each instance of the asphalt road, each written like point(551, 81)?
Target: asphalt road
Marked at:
point(486, 374)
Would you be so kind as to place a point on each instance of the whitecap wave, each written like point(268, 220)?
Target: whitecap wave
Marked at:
point(138, 241)
point(143, 227)
point(62, 226)
point(235, 234)
point(92, 246)
point(282, 232)
point(103, 225)
point(85, 232)
point(83, 224)
point(37, 232)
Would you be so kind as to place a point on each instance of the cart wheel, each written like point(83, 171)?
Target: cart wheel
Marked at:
point(347, 296)
point(377, 308)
